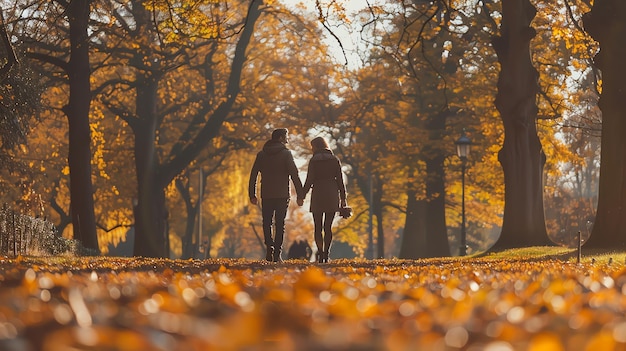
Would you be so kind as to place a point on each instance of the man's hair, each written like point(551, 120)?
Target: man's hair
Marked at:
point(278, 133)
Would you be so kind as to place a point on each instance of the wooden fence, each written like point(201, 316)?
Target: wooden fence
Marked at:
point(25, 235)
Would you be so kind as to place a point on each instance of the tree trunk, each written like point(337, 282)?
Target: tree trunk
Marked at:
point(437, 240)
point(426, 219)
point(414, 238)
point(365, 183)
point(77, 111)
point(434, 156)
point(149, 221)
point(187, 239)
point(377, 195)
point(521, 156)
point(65, 218)
point(192, 212)
point(605, 23)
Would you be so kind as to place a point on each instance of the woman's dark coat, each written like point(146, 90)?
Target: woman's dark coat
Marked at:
point(325, 178)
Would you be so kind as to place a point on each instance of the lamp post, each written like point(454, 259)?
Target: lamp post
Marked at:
point(369, 252)
point(462, 150)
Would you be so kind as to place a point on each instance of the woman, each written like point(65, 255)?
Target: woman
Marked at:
point(328, 194)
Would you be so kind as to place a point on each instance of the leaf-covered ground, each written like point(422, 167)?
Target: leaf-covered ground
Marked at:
point(492, 304)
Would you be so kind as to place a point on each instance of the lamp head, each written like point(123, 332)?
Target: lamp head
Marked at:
point(463, 146)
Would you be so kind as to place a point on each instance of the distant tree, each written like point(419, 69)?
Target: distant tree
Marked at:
point(184, 185)
point(422, 46)
point(155, 45)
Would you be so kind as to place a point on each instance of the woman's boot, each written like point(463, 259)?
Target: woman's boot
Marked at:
point(325, 257)
point(278, 255)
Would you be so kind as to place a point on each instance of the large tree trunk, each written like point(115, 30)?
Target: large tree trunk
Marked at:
point(605, 23)
point(149, 221)
point(434, 156)
point(77, 111)
point(521, 156)
point(437, 240)
point(414, 238)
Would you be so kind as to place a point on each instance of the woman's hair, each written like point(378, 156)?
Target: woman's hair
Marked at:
point(319, 144)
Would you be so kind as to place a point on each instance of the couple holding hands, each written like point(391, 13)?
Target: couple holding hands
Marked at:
point(276, 165)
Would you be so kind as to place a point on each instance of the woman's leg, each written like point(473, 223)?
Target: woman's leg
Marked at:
point(319, 241)
point(328, 232)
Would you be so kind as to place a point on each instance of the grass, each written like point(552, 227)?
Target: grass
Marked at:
point(561, 253)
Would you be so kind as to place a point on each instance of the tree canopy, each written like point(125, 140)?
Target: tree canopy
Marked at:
point(179, 96)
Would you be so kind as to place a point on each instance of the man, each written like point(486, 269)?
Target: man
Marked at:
point(276, 165)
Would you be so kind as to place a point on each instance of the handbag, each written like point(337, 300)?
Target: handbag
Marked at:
point(345, 212)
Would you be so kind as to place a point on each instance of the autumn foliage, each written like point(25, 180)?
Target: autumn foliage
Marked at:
point(426, 72)
point(486, 303)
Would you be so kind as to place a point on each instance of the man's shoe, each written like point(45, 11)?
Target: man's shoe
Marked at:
point(269, 255)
